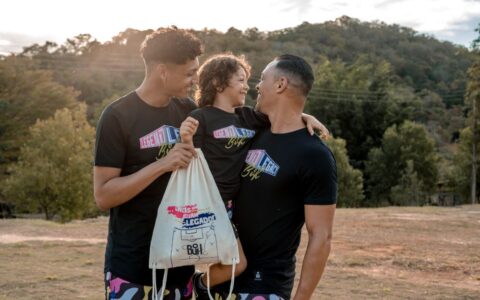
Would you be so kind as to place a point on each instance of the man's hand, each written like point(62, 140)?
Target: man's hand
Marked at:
point(179, 157)
point(112, 190)
point(188, 129)
point(313, 124)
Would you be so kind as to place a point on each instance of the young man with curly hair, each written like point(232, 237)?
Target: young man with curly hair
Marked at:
point(136, 151)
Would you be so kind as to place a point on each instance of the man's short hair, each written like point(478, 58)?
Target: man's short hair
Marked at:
point(170, 45)
point(297, 70)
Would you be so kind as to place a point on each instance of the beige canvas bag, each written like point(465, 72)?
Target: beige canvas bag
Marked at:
point(192, 225)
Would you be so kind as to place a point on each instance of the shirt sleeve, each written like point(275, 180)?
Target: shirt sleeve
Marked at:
point(199, 136)
point(318, 177)
point(110, 146)
point(252, 118)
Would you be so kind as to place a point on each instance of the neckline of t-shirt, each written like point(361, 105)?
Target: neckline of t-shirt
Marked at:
point(151, 107)
point(219, 109)
point(295, 132)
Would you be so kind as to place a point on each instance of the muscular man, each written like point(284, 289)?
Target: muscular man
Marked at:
point(289, 179)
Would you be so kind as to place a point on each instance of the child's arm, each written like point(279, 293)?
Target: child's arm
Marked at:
point(313, 124)
point(188, 129)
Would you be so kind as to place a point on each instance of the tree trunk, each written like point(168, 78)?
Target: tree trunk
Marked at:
point(474, 153)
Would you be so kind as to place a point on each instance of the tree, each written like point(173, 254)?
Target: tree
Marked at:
point(53, 174)
point(473, 98)
point(409, 190)
point(359, 102)
point(461, 176)
point(25, 96)
point(476, 42)
point(350, 180)
point(388, 164)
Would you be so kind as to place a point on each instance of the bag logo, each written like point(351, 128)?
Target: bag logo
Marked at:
point(195, 238)
point(190, 216)
point(200, 220)
point(187, 211)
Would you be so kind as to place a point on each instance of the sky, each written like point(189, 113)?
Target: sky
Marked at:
point(24, 22)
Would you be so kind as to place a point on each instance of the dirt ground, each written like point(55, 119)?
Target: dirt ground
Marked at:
point(384, 253)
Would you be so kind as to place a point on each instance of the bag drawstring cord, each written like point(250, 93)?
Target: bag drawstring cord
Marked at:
point(231, 281)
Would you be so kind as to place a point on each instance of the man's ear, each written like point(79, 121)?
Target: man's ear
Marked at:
point(281, 84)
point(162, 71)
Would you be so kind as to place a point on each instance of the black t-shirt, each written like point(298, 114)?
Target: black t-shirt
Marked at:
point(130, 135)
point(225, 139)
point(282, 174)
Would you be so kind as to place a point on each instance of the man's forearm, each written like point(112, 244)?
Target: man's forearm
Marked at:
point(318, 250)
point(119, 190)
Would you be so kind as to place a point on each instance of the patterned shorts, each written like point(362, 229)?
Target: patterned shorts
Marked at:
point(117, 288)
point(245, 296)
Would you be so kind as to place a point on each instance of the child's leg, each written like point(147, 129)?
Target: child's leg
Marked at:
point(221, 273)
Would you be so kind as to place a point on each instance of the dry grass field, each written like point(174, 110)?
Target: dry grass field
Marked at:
point(384, 253)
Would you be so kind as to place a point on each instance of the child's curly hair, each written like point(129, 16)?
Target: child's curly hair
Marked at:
point(215, 73)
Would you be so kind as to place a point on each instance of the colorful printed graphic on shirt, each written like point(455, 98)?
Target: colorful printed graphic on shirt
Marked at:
point(258, 161)
point(236, 136)
point(164, 137)
point(195, 236)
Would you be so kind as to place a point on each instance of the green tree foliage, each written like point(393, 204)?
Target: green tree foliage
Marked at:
point(53, 174)
point(476, 42)
point(388, 165)
point(409, 190)
point(26, 95)
point(350, 180)
point(359, 102)
point(461, 175)
point(421, 62)
point(369, 76)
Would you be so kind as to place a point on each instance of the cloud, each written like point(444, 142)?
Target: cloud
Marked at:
point(300, 6)
point(386, 3)
point(451, 20)
point(461, 32)
point(14, 42)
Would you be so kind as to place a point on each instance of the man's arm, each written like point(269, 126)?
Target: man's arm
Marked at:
point(313, 124)
point(111, 189)
point(319, 223)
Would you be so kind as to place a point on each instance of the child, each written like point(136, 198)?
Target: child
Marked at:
point(224, 130)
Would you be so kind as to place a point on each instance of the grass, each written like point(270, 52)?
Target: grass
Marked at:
point(384, 253)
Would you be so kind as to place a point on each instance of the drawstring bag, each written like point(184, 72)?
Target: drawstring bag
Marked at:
point(192, 225)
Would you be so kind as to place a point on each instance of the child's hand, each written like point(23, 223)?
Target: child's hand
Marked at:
point(313, 124)
point(188, 129)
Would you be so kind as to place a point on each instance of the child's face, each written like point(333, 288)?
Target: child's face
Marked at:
point(237, 88)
